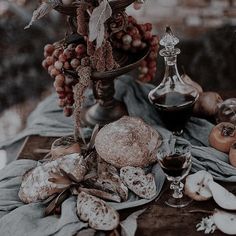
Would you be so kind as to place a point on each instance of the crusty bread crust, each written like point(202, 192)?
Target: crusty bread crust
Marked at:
point(128, 142)
point(35, 184)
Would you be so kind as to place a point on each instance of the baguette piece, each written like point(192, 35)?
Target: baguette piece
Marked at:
point(47, 178)
point(128, 142)
point(96, 212)
point(136, 180)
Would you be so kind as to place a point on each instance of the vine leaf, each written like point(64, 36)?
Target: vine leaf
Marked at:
point(97, 20)
point(43, 10)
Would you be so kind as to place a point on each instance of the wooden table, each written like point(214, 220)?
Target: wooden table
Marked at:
point(158, 219)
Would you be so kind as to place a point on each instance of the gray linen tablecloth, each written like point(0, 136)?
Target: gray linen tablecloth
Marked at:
point(47, 120)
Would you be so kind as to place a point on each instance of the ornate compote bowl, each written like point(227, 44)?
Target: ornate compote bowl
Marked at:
point(107, 108)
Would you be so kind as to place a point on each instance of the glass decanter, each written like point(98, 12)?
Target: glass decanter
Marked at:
point(173, 98)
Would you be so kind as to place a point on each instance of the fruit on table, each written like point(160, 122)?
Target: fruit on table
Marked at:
point(222, 196)
point(207, 104)
point(196, 186)
point(225, 222)
point(222, 136)
point(189, 81)
point(232, 154)
point(227, 111)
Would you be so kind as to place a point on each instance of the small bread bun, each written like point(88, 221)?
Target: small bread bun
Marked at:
point(128, 142)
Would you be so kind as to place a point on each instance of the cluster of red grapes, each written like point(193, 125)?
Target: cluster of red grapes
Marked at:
point(137, 37)
point(58, 60)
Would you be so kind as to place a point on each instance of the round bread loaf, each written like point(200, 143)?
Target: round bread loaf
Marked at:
point(128, 142)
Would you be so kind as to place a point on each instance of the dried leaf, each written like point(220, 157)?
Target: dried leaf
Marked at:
point(49, 199)
point(97, 20)
point(57, 201)
point(43, 10)
point(92, 139)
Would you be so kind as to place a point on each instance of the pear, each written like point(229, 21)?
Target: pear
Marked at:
point(189, 81)
point(222, 196)
point(225, 222)
point(196, 186)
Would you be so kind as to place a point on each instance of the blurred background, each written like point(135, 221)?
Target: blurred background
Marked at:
point(206, 29)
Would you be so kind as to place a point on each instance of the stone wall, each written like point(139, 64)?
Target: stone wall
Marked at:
point(188, 18)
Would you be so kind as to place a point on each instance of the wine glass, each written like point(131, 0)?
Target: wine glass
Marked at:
point(174, 157)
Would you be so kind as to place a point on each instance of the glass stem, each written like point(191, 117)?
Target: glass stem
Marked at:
point(177, 186)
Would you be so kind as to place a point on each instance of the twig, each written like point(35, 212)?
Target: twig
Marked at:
point(41, 150)
point(201, 211)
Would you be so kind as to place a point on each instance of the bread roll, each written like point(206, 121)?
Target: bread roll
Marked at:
point(128, 142)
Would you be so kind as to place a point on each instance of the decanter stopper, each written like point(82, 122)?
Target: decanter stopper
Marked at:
point(169, 40)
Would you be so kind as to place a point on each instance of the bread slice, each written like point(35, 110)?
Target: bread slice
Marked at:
point(136, 180)
point(99, 215)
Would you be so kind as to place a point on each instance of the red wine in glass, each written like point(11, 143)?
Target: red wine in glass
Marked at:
point(176, 164)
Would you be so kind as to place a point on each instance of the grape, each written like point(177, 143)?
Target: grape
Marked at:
point(49, 49)
point(54, 72)
point(66, 65)
point(80, 49)
point(49, 60)
point(62, 58)
point(75, 63)
point(61, 102)
point(148, 35)
point(71, 46)
point(85, 61)
point(60, 91)
point(44, 64)
point(57, 53)
point(68, 53)
point(50, 68)
point(58, 65)
point(143, 70)
point(137, 37)
point(59, 80)
point(126, 39)
point(136, 43)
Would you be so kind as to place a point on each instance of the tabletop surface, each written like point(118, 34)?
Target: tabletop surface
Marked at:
point(158, 219)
